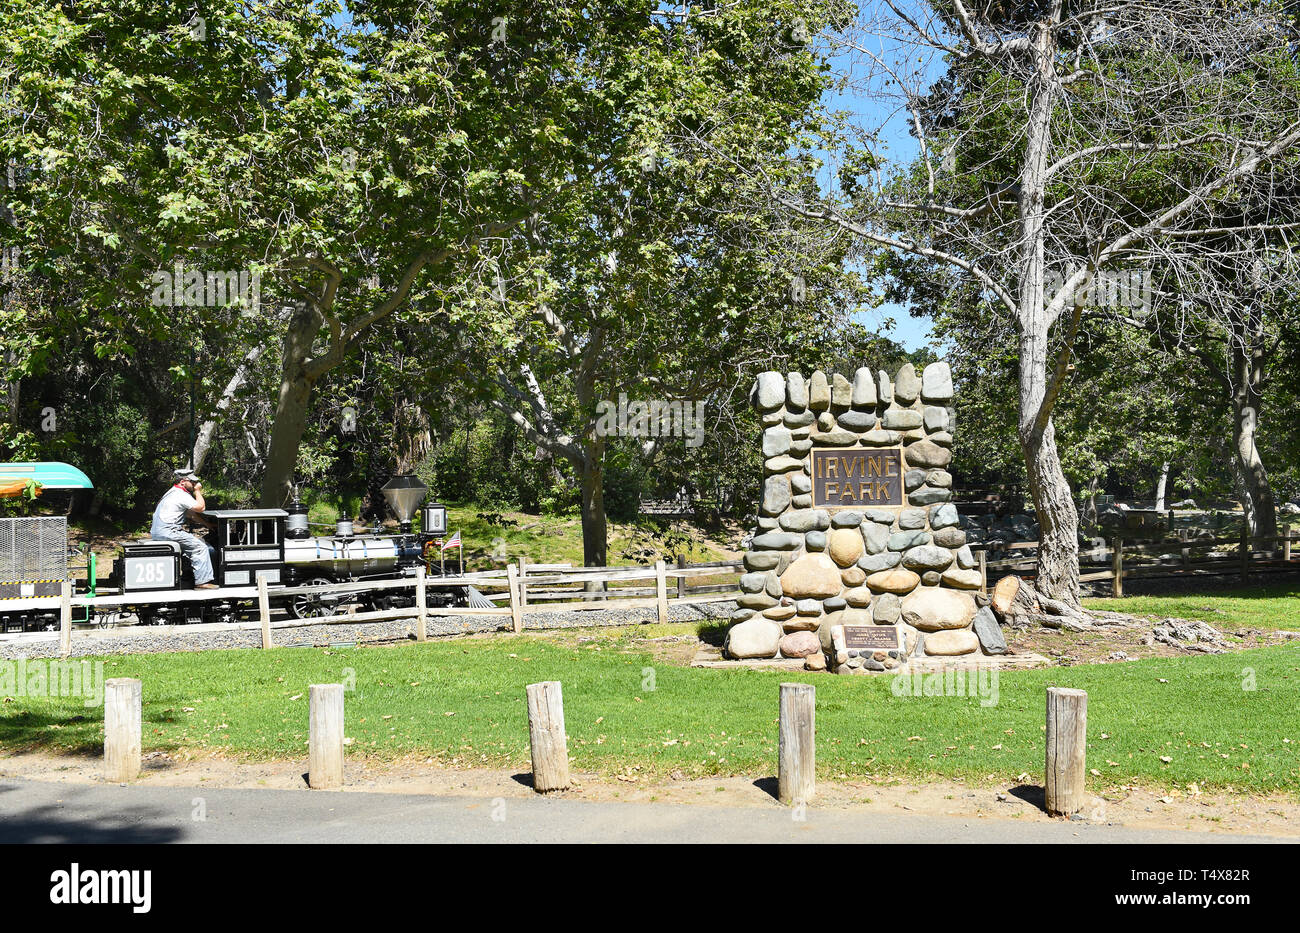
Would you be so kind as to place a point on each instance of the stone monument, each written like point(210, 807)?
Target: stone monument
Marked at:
point(858, 563)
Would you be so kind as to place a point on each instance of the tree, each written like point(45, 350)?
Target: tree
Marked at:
point(648, 277)
point(1067, 136)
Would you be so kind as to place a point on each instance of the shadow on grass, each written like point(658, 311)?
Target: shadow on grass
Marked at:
point(68, 733)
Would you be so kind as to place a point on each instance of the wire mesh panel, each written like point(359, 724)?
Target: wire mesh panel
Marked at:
point(33, 549)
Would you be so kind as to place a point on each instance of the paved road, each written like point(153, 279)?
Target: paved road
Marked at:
point(36, 811)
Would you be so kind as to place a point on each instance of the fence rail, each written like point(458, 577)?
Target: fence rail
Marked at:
point(558, 587)
point(531, 589)
point(1131, 560)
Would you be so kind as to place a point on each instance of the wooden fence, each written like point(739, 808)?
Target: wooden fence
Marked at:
point(524, 588)
point(1168, 559)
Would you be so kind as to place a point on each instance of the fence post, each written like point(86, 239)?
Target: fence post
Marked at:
point(523, 582)
point(681, 580)
point(325, 736)
point(984, 571)
point(1286, 543)
point(516, 611)
point(661, 590)
point(123, 699)
point(550, 750)
point(264, 611)
point(65, 619)
point(1117, 567)
point(421, 606)
point(797, 754)
point(1067, 742)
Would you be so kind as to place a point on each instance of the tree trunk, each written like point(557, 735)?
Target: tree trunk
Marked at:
point(1258, 502)
point(1090, 510)
point(1161, 485)
point(1058, 522)
point(208, 430)
point(594, 529)
point(291, 406)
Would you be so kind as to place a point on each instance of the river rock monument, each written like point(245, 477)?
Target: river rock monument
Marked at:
point(859, 562)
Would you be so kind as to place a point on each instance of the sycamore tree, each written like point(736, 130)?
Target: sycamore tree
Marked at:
point(649, 279)
point(379, 159)
point(1067, 137)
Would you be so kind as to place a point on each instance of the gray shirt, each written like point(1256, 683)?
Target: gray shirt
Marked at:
point(169, 517)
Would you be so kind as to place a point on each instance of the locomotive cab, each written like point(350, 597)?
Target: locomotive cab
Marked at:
point(249, 544)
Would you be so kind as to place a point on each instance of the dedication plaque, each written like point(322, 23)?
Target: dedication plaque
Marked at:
point(871, 638)
point(856, 477)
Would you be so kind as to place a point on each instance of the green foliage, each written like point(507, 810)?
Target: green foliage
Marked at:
point(112, 440)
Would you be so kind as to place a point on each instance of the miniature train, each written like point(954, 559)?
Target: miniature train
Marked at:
point(275, 544)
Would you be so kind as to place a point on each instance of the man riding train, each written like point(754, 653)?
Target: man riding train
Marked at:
point(185, 499)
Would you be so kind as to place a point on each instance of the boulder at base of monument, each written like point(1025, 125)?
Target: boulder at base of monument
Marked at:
point(754, 638)
point(799, 645)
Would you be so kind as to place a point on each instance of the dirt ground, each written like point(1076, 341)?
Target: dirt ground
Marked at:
point(1104, 646)
point(1127, 806)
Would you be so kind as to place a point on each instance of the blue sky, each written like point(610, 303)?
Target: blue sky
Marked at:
point(899, 146)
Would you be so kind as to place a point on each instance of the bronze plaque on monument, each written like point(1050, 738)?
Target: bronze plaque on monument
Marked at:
point(871, 638)
point(855, 477)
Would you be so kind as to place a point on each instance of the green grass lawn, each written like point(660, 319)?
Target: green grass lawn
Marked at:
point(462, 703)
point(1268, 606)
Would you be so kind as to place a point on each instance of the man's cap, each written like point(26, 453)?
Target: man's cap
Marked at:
point(184, 473)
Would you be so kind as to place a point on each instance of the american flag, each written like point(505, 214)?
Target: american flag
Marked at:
point(453, 541)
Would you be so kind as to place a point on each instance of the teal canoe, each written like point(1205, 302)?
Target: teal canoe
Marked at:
point(47, 475)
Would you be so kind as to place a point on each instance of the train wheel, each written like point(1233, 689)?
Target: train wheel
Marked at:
point(312, 607)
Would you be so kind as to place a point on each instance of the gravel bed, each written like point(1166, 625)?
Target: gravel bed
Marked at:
point(143, 641)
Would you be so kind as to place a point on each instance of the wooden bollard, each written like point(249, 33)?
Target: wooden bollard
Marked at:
point(1117, 568)
point(797, 764)
point(123, 699)
point(325, 739)
point(1067, 749)
point(550, 750)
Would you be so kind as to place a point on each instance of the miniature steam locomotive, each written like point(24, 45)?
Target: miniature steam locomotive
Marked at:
point(274, 544)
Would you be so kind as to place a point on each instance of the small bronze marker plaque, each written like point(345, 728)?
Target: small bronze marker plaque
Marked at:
point(857, 477)
point(871, 638)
